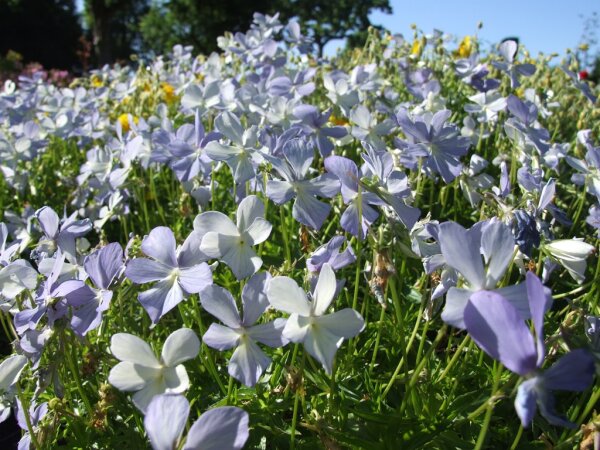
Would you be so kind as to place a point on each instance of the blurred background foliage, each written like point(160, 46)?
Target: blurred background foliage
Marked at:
point(54, 34)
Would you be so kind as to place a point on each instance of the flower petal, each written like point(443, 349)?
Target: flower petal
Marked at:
point(285, 295)
point(324, 291)
point(218, 429)
point(180, 346)
point(127, 347)
point(254, 297)
point(526, 401)
point(214, 221)
point(573, 372)
point(144, 270)
point(128, 376)
point(194, 279)
point(345, 323)
point(249, 209)
point(165, 420)
point(269, 333)
point(161, 299)
point(142, 398)
point(248, 362)
point(220, 338)
point(160, 245)
point(220, 303)
point(322, 345)
point(461, 252)
point(498, 328)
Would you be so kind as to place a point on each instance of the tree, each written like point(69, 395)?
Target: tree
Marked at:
point(200, 22)
point(340, 19)
point(114, 27)
point(44, 31)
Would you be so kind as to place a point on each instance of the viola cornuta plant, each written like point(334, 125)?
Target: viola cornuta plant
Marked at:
point(396, 247)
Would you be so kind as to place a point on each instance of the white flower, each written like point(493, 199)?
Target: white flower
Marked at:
point(321, 334)
point(232, 243)
point(141, 371)
point(571, 254)
point(10, 370)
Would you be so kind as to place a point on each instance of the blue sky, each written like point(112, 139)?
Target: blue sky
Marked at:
point(542, 25)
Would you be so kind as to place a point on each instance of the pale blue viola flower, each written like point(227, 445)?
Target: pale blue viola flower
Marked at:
point(330, 253)
point(572, 254)
point(320, 333)
point(463, 251)
point(366, 128)
point(189, 157)
point(588, 168)
point(248, 361)
point(523, 128)
point(359, 215)
point(430, 137)
point(593, 218)
point(313, 124)
point(15, 276)
point(179, 271)
point(141, 372)
point(508, 50)
point(500, 330)
point(298, 157)
point(223, 428)
point(104, 267)
point(49, 301)
point(242, 154)
point(232, 242)
point(10, 371)
point(389, 184)
point(59, 234)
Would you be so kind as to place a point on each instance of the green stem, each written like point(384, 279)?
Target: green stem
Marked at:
point(457, 355)
point(413, 381)
point(25, 406)
point(210, 364)
point(286, 243)
point(377, 339)
point(517, 439)
point(73, 368)
point(296, 399)
point(490, 408)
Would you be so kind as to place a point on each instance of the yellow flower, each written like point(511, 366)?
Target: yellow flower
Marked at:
point(96, 81)
point(339, 121)
point(417, 47)
point(465, 47)
point(168, 92)
point(124, 119)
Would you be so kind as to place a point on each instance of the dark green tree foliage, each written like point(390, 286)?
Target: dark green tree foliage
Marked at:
point(340, 19)
point(114, 25)
point(200, 22)
point(44, 31)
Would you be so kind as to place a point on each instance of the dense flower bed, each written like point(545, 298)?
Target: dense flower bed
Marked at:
point(394, 248)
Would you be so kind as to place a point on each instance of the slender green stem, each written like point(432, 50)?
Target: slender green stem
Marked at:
point(73, 368)
point(210, 364)
point(517, 439)
point(229, 390)
point(25, 406)
point(417, 372)
point(455, 357)
point(299, 388)
point(490, 408)
point(377, 339)
point(286, 242)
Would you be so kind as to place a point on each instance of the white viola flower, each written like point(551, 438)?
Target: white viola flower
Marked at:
point(10, 370)
point(572, 255)
point(321, 334)
point(141, 372)
point(232, 243)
